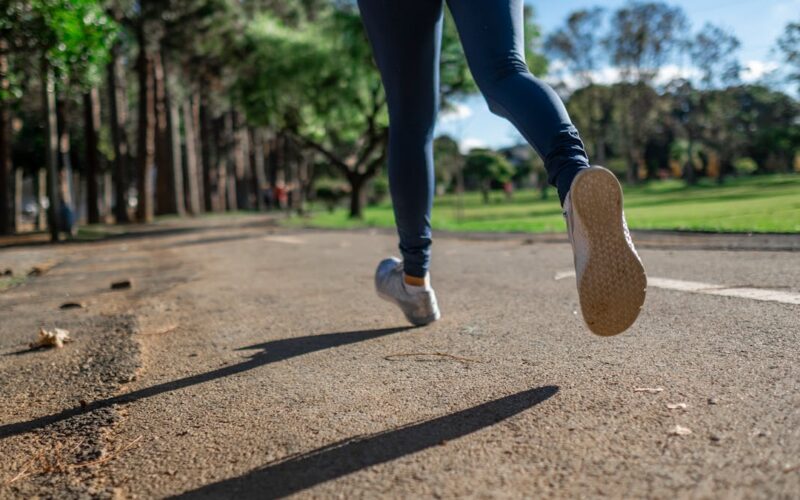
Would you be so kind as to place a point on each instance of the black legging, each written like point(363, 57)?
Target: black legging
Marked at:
point(406, 40)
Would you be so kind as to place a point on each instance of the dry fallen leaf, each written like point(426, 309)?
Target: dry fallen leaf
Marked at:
point(41, 269)
point(651, 390)
point(677, 406)
point(56, 337)
point(679, 430)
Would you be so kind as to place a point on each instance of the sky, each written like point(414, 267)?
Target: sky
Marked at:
point(757, 24)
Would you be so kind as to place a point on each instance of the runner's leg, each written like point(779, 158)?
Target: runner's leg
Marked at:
point(406, 38)
point(492, 35)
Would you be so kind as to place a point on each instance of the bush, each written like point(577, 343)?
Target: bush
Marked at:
point(745, 166)
point(380, 190)
point(331, 195)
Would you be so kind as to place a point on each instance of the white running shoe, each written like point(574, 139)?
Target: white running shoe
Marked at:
point(419, 306)
point(610, 276)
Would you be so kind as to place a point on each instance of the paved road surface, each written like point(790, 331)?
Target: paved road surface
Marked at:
point(249, 361)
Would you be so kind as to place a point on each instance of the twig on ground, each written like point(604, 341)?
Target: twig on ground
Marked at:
point(161, 331)
point(651, 390)
point(438, 354)
point(46, 465)
point(108, 457)
point(56, 462)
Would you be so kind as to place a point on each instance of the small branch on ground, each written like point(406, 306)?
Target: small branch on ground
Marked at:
point(392, 357)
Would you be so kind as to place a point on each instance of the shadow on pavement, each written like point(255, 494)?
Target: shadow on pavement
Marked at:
point(297, 473)
point(270, 352)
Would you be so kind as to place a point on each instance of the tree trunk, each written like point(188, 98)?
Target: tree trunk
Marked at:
point(118, 110)
point(230, 169)
point(244, 170)
point(357, 196)
point(146, 131)
point(51, 149)
point(176, 157)
point(303, 183)
point(91, 121)
point(219, 167)
point(78, 184)
point(600, 153)
point(689, 173)
point(18, 180)
point(65, 154)
point(41, 195)
point(258, 166)
point(108, 197)
point(207, 139)
point(165, 178)
point(5, 143)
point(192, 175)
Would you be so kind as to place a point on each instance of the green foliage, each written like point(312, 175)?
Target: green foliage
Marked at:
point(317, 79)
point(456, 79)
point(447, 160)
point(330, 194)
point(680, 151)
point(72, 35)
point(485, 167)
point(745, 166)
point(534, 50)
point(380, 190)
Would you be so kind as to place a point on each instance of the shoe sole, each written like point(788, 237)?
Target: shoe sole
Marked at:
point(414, 321)
point(613, 285)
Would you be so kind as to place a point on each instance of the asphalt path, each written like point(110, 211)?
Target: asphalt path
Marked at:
point(252, 361)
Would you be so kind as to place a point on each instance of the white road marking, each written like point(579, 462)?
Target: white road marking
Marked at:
point(564, 275)
point(288, 240)
point(761, 294)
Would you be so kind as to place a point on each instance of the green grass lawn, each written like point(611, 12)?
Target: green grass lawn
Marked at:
point(755, 204)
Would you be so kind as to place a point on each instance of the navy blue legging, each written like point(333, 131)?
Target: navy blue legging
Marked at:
point(406, 40)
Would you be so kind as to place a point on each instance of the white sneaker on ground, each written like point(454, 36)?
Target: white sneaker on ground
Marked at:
point(610, 276)
point(417, 303)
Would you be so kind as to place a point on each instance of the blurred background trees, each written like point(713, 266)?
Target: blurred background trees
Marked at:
point(122, 110)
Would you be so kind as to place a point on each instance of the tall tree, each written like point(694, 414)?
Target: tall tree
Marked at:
point(118, 111)
point(193, 190)
point(51, 149)
point(5, 141)
point(789, 46)
point(319, 84)
point(713, 52)
point(145, 150)
point(91, 120)
point(70, 39)
point(486, 167)
point(642, 37)
point(577, 44)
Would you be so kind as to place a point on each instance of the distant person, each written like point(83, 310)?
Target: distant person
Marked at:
point(406, 39)
point(281, 195)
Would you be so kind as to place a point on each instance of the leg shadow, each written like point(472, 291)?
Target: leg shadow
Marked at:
point(269, 352)
point(303, 471)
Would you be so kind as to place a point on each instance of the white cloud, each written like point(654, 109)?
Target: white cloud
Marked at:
point(755, 70)
point(457, 113)
point(672, 71)
point(470, 143)
point(609, 75)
